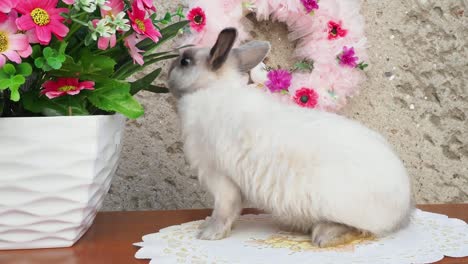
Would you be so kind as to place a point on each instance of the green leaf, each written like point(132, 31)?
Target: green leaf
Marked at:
point(24, 69)
point(180, 12)
point(2, 103)
point(39, 62)
point(96, 66)
point(115, 96)
point(5, 83)
point(3, 75)
point(54, 63)
point(62, 48)
point(48, 52)
point(362, 65)
point(9, 69)
point(133, 68)
point(18, 80)
point(304, 65)
point(167, 33)
point(144, 82)
point(37, 51)
point(167, 18)
point(69, 68)
point(156, 89)
point(15, 83)
point(14, 94)
point(88, 40)
point(90, 67)
point(61, 106)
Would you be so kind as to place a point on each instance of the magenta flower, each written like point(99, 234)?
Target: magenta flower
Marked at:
point(13, 45)
point(64, 86)
point(43, 17)
point(278, 80)
point(143, 25)
point(3, 17)
point(69, 2)
point(310, 5)
point(347, 57)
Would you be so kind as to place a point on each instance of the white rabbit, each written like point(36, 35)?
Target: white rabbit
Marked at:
point(314, 171)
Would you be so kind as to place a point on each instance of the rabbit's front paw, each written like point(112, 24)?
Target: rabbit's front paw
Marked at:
point(213, 229)
point(329, 234)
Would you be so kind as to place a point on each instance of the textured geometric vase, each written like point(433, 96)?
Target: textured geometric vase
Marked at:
point(54, 174)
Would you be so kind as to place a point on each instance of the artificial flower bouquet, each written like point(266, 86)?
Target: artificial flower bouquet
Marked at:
point(73, 57)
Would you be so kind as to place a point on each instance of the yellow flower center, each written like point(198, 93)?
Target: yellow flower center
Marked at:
point(140, 24)
point(67, 88)
point(40, 17)
point(3, 41)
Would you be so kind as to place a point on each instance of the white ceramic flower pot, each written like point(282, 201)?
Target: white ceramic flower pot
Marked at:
point(54, 174)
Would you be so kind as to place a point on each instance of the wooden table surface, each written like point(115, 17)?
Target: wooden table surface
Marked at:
point(110, 239)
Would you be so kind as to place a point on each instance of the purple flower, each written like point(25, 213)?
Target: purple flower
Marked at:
point(278, 80)
point(310, 5)
point(347, 57)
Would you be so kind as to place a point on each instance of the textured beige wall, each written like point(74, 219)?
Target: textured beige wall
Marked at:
point(416, 96)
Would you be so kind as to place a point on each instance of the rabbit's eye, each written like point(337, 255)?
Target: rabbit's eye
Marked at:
point(185, 62)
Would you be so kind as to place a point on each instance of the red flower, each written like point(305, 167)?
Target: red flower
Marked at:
point(306, 97)
point(64, 86)
point(197, 19)
point(335, 30)
point(43, 17)
point(143, 25)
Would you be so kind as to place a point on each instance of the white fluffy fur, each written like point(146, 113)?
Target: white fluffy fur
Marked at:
point(303, 166)
point(313, 170)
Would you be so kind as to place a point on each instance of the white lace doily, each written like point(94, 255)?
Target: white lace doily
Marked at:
point(256, 239)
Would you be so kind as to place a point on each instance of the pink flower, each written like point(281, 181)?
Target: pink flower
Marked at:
point(145, 4)
point(13, 46)
point(64, 86)
point(131, 42)
point(7, 5)
point(105, 42)
point(306, 97)
point(335, 30)
point(69, 2)
point(278, 80)
point(115, 7)
point(347, 57)
point(197, 19)
point(310, 5)
point(43, 17)
point(143, 25)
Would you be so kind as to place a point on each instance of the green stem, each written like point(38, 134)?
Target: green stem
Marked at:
point(123, 36)
point(70, 110)
point(79, 21)
point(72, 31)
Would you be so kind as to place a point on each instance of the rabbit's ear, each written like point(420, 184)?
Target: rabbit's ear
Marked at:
point(220, 51)
point(251, 54)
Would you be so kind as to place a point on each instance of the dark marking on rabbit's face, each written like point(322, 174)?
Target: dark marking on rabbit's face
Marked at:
point(196, 69)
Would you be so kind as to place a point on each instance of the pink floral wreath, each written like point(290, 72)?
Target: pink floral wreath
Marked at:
point(331, 45)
